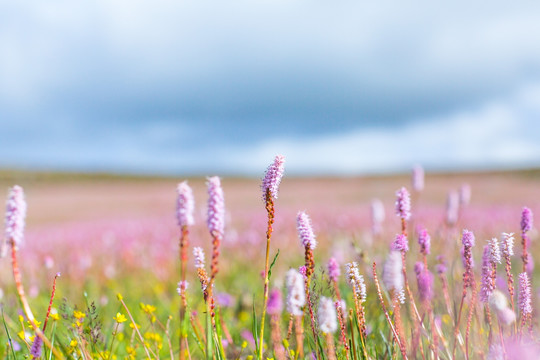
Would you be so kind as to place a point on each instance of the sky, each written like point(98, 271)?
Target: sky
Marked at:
point(220, 87)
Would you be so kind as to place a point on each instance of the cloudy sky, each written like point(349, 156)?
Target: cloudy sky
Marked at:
point(204, 87)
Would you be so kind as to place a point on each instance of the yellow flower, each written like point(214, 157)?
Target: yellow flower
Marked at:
point(73, 343)
point(147, 308)
point(119, 297)
point(38, 323)
point(120, 318)
point(133, 327)
point(79, 314)
point(55, 316)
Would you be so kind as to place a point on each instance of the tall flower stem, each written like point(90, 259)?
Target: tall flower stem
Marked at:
point(24, 302)
point(379, 293)
point(269, 230)
point(184, 243)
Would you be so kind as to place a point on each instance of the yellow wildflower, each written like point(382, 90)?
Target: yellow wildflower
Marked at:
point(120, 318)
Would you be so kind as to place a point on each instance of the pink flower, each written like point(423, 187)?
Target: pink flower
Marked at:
point(524, 298)
point(15, 215)
point(526, 219)
point(305, 231)
point(333, 269)
point(184, 204)
point(216, 207)
point(400, 243)
point(272, 177)
point(403, 204)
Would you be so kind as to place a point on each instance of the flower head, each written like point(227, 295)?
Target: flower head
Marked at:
point(333, 269)
point(305, 231)
point(35, 350)
point(507, 244)
point(403, 204)
point(275, 303)
point(296, 297)
point(183, 286)
point(356, 281)
point(424, 240)
point(524, 298)
point(184, 204)
point(272, 177)
point(216, 206)
point(327, 316)
point(400, 243)
point(392, 271)
point(488, 285)
point(526, 219)
point(198, 255)
point(494, 251)
point(424, 279)
point(15, 215)
point(467, 238)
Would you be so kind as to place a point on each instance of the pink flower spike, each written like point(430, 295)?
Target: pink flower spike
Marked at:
point(216, 207)
point(272, 177)
point(424, 240)
point(305, 231)
point(198, 256)
point(275, 302)
point(400, 243)
point(524, 298)
point(526, 220)
point(403, 204)
point(333, 269)
point(184, 204)
point(15, 215)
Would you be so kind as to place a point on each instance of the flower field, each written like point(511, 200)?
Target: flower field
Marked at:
point(386, 267)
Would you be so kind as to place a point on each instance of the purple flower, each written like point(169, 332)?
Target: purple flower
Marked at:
point(487, 286)
point(400, 243)
point(35, 350)
point(216, 207)
point(275, 302)
point(273, 176)
point(224, 299)
point(424, 280)
point(333, 269)
point(424, 240)
point(15, 215)
point(184, 204)
point(467, 238)
point(198, 255)
point(418, 178)
point(526, 220)
point(441, 266)
point(305, 231)
point(524, 299)
point(403, 204)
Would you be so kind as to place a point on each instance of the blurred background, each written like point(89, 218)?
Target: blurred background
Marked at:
point(201, 87)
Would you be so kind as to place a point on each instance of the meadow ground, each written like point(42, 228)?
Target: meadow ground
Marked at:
point(111, 235)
